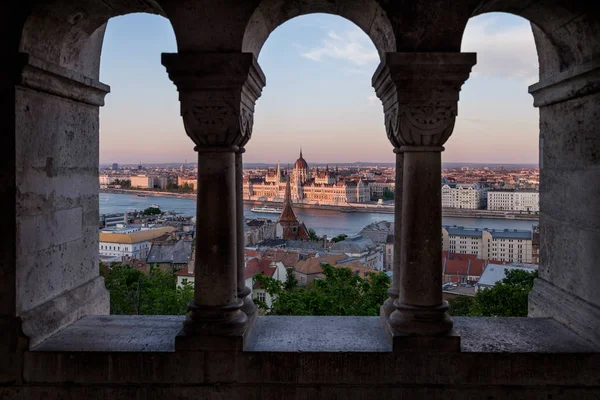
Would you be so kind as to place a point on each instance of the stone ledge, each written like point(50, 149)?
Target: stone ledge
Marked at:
point(579, 316)
point(527, 351)
point(53, 316)
point(39, 74)
point(116, 333)
point(120, 333)
point(579, 81)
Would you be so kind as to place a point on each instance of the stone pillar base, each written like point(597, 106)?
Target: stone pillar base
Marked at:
point(185, 341)
point(449, 342)
point(194, 342)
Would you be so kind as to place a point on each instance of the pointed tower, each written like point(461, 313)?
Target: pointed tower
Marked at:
point(292, 228)
point(278, 173)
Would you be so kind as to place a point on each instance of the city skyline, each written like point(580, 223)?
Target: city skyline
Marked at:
point(319, 95)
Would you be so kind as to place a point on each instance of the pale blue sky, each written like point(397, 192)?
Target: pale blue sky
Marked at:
point(318, 95)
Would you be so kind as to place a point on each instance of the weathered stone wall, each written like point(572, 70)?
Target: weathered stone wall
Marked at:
point(570, 189)
point(57, 199)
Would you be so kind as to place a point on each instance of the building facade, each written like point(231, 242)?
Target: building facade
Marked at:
point(307, 186)
point(148, 182)
point(190, 181)
point(362, 249)
point(506, 245)
point(513, 200)
point(470, 196)
point(381, 187)
point(129, 242)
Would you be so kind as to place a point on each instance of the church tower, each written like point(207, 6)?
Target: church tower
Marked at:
point(292, 228)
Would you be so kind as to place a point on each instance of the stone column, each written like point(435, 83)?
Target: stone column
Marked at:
point(249, 308)
point(420, 93)
point(388, 306)
point(217, 92)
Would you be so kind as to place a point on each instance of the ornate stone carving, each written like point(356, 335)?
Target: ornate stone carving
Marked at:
point(217, 94)
point(426, 125)
point(419, 92)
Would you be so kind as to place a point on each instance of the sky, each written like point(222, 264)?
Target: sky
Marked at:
point(318, 95)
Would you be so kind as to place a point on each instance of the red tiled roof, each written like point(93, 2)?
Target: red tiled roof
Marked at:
point(256, 266)
point(462, 264)
point(184, 272)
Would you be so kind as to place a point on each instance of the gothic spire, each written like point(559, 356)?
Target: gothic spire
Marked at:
point(287, 214)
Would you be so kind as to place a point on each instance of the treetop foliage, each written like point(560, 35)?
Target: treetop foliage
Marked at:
point(507, 298)
point(341, 292)
point(133, 292)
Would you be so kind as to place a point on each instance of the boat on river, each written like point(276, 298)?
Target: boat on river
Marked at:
point(267, 210)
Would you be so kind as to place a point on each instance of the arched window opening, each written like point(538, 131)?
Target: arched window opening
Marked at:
point(317, 142)
point(491, 171)
point(143, 152)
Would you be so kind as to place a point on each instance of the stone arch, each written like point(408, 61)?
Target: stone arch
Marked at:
point(54, 163)
point(567, 39)
point(565, 33)
point(70, 34)
point(366, 14)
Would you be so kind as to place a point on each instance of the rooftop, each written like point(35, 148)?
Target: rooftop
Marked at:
point(134, 237)
point(496, 272)
point(455, 230)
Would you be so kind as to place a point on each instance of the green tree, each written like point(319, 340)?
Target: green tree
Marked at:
point(291, 282)
point(339, 238)
point(171, 186)
point(388, 194)
point(341, 292)
point(507, 298)
point(313, 235)
point(152, 211)
point(186, 188)
point(460, 305)
point(124, 183)
point(134, 293)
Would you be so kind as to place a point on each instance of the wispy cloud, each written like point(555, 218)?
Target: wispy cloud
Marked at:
point(352, 46)
point(507, 52)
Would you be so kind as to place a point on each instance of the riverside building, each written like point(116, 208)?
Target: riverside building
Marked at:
point(470, 196)
point(507, 245)
point(312, 186)
point(513, 200)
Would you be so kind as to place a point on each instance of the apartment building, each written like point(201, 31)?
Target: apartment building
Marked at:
point(507, 245)
point(513, 200)
point(471, 196)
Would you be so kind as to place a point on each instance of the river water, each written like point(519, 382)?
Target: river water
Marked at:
point(324, 222)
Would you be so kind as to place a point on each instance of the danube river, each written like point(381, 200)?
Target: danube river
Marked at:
point(324, 222)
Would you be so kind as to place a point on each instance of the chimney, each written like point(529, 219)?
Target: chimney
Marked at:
point(125, 218)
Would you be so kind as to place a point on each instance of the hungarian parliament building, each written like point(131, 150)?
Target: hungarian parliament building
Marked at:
point(312, 186)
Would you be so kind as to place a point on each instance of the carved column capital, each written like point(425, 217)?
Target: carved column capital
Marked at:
point(217, 92)
point(419, 93)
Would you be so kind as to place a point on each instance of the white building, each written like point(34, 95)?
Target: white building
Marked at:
point(472, 196)
point(148, 182)
point(378, 188)
point(507, 245)
point(132, 242)
point(105, 180)
point(312, 186)
point(272, 269)
point(513, 200)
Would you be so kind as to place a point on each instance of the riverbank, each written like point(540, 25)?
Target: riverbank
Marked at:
point(355, 208)
point(149, 193)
